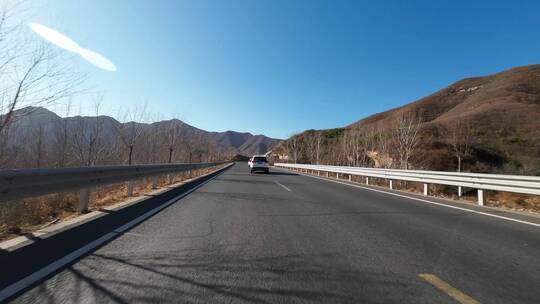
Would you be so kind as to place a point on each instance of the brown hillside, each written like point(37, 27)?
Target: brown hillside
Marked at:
point(502, 110)
point(512, 96)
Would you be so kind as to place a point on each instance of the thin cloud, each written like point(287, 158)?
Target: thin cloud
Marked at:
point(68, 44)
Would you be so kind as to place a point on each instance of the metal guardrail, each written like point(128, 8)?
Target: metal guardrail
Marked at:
point(23, 183)
point(506, 183)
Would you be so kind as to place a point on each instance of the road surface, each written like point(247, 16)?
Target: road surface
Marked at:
point(288, 238)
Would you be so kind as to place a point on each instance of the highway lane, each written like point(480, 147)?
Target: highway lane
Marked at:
point(287, 238)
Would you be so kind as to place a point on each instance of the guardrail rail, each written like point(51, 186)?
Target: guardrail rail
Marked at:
point(480, 181)
point(23, 183)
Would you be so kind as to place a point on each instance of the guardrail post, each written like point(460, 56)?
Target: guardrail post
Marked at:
point(337, 175)
point(350, 178)
point(327, 174)
point(390, 184)
point(130, 188)
point(154, 182)
point(84, 200)
point(481, 197)
point(426, 189)
point(459, 191)
point(367, 180)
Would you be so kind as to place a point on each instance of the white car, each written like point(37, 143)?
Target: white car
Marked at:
point(258, 163)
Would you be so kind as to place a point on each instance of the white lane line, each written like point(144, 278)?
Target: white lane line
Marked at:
point(284, 187)
point(427, 201)
point(65, 260)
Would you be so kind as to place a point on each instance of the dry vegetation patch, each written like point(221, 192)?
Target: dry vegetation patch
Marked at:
point(514, 201)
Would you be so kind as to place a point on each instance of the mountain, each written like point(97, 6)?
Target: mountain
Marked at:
point(37, 130)
point(501, 112)
point(244, 143)
point(258, 143)
point(503, 99)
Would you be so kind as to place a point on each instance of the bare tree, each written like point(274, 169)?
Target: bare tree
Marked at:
point(346, 148)
point(80, 139)
point(173, 133)
point(408, 136)
point(318, 140)
point(362, 143)
point(38, 148)
point(130, 128)
point(86, 138)
point(459, 137)
point(6, 150)
point(95, 142)
point(310, 146)
point(31, 72)
point(61, 137)
point(382, 148)
point(294, 147)
point(150, 145)
point(188, 150)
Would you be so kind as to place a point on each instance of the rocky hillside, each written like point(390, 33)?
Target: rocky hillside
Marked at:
point(501, 113)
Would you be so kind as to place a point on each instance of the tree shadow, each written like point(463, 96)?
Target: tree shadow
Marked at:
point(281, 173)
point(222, 275)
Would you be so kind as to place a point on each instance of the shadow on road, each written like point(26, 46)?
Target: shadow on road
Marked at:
point(280, 173)
point(224, 275)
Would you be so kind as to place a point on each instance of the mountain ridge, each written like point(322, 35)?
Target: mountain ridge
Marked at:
point(47, 123)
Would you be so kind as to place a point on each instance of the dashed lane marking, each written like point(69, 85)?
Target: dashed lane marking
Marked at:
point(283, 186)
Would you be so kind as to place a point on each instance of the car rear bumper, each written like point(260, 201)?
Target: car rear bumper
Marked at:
point(255, 168)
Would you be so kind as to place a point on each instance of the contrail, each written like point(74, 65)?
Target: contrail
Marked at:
point(68, 44)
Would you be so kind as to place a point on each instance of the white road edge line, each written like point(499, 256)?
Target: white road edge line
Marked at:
point(427, 201)
point(56, 265)
point(284, 187)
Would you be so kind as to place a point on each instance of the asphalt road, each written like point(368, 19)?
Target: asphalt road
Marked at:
point(287, 238)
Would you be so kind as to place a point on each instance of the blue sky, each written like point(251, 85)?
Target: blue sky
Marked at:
point(280, 67)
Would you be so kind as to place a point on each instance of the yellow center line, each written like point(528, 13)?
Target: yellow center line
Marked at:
point(448, 289)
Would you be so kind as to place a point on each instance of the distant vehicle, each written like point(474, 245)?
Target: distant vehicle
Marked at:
point(258, 163)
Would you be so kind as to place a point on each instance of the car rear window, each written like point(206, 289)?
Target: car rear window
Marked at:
point(260, 159)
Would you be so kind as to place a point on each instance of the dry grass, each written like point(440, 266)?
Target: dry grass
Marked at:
point(28, 215)
point(514, 201)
